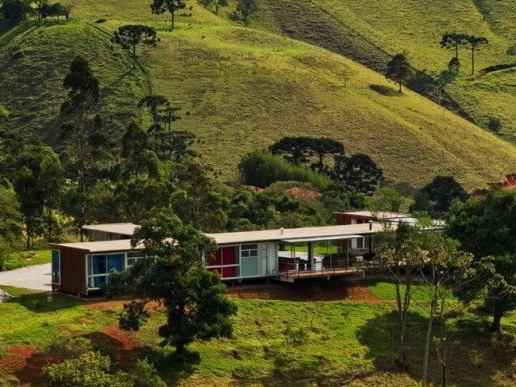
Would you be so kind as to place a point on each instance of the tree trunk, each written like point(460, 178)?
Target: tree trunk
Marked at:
point(472, 60)
point(427, 346)
point(497, 317)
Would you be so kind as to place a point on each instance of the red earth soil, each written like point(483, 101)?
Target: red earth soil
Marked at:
point(308, 290)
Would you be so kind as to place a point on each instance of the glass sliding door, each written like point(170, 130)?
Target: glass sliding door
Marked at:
point(99, 267)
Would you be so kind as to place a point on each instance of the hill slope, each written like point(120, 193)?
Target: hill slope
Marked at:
point(369, 31)
point(242, 89)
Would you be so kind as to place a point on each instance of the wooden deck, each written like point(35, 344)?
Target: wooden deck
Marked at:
point(291, 275)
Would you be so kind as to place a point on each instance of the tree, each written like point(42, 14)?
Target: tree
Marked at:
point(51, 181)
point(474, 44)
point(441, 191)
point(245, 8)
point(399, 70)
point(161, 111)
point(83, 95)
point(198, 198)
point(403, 254)
point(358, 173)
point(129, 36)
point(453, 41)
point(161, 6)
point(494, 124)
point(485, 227)
point(11, 221)
point(302, 149)
point(214, 3)
point(194, 298)
point(445, 270)
point(14, 11)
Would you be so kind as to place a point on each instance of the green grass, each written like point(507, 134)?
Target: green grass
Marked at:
point(27, 258)
point(368, 32)
point(30, 319)
point(341, 342)
point(243, 88)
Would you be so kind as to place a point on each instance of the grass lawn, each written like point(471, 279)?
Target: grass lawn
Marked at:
point(27, 258)
point(277, 342)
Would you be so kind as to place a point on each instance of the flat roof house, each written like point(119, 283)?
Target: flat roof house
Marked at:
point(283, 254)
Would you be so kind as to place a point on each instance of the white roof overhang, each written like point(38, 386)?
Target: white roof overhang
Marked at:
point(322, 238)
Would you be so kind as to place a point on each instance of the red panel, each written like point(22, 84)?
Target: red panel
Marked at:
point(229, 272)
point(229, 256)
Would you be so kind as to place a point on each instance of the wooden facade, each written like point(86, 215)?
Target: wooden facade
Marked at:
point(72, 271)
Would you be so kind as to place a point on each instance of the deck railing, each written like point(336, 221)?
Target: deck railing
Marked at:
point(329, 265)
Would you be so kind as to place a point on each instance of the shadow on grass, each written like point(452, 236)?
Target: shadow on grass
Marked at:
point(384, 90)
point(290, 370)
point(39, 302)
point(475, 358)
point(171, 367)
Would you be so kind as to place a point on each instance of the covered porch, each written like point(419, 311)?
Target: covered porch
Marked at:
point(323, 256)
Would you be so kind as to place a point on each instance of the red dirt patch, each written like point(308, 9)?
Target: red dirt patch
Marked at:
point(25, 363)
point(122, 343)
point(308, 290)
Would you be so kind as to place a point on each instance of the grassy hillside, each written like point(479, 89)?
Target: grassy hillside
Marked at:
point(242, 89)
point(35, 59)
point(367, 31)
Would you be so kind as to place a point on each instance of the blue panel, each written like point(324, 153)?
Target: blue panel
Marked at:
point(98, 264)
point(98, 281)
point(56, 266)
point(115, 262)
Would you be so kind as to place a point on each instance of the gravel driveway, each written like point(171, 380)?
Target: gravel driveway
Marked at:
point(37, 277)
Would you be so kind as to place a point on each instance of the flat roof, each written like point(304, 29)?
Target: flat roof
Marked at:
point(98, 246)
point(376, 214)
point(113, 228)
point(290, 235)
point(297, 234)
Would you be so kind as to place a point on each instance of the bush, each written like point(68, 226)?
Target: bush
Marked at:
point(91, 369)
point(65, 348)
point(262, 168)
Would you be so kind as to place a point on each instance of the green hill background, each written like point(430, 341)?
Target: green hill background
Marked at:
point(244, 88)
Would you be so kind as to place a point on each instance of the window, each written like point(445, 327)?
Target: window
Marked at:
point(99, 267)
point(132, 258)
point(248, 251)
point(56, 267)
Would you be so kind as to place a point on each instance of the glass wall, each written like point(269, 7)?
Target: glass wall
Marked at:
point(100, 265)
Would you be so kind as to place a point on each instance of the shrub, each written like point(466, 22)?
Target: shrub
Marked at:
point(262, 168)
point(91, 369)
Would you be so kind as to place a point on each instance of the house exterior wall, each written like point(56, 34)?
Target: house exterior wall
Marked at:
point(244, 260)
point(73, 274)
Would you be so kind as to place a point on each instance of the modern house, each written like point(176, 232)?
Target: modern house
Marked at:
point(282, 254)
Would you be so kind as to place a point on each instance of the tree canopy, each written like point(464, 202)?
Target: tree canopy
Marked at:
point(399, 70)
point(486, 226)
point(173, 275)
